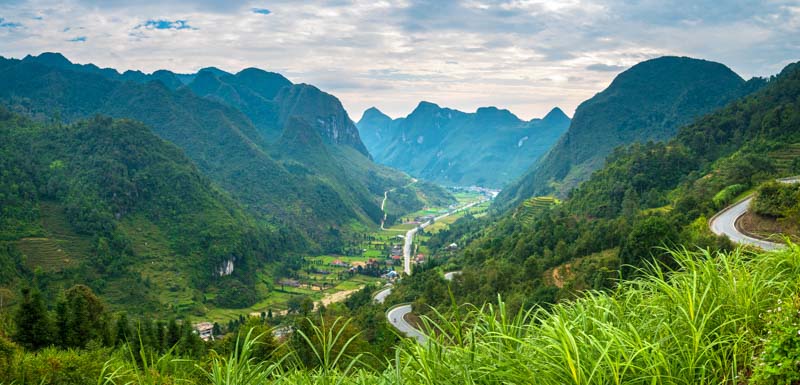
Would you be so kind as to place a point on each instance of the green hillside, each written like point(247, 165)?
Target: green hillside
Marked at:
point(224, 142)
point(103, 201)
point(649, 101)
point(646, 197)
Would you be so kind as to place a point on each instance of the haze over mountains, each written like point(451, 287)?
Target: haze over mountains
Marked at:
point(489, 147)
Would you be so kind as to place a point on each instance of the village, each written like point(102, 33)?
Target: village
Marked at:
point(372, 258)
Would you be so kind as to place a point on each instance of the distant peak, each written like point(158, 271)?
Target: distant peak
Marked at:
point(555, 113)
point(50, 58)
point(214, 70)
point(495, 114)
point(373, 111)
point(424, 106)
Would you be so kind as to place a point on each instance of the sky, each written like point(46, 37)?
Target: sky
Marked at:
point(523, 55)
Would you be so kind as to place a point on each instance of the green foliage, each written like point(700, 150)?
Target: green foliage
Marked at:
point(240, 367)
point(716, 318)
point(34, 327)
point(777, 200)
point(81, 318)
point(779, 361)
point(108, 173)
point(234, 294)
point(726, 195)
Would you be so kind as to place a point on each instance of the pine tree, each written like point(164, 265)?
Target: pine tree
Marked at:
point(34, 326)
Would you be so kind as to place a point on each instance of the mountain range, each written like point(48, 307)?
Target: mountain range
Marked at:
point(196, 181)
point(489, 147)
point(228, 125)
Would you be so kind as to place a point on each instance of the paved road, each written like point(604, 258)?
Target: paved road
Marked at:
point(396, 315)
point(410, 233)
point(380, 296)
point(724, 223)
point(452, 274)
point(385, 196)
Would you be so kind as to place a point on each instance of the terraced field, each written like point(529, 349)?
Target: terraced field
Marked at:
point(60, 248)
point(785, 157)
point(531, 206)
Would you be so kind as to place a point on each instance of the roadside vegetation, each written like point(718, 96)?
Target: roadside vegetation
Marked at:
point(717, 318)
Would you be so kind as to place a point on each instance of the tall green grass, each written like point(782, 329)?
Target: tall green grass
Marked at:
point(701, 324)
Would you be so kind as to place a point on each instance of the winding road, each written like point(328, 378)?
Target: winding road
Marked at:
point(397, 317)
point(397, 314)
point(410, 233)
point(724, 222)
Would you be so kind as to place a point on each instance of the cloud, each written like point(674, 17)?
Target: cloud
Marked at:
point(9, 24)
point(78, 39)
point(600, 67)
point(524, 55)
point(165, 24)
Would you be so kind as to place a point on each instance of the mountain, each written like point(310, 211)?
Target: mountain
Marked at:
point(217, 134)
point(647, 102)
point(646, 197)
point(270, 100)
point(108, 203)
point(489, 147)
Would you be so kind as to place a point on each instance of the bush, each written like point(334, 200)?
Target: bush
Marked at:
point(777, 200)
point(234, 294)
point(779, 362)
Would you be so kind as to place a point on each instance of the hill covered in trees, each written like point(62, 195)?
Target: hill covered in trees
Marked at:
point(228, 125)
point(649, 101)
point(647, 196)
point(107, 203)
point(489, 147)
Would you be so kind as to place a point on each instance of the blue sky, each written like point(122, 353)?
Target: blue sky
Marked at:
point(524, 55)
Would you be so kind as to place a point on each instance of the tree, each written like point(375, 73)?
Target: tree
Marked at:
point(644, 240)
point(124, 332)
point(34, 326)
point(81, 318)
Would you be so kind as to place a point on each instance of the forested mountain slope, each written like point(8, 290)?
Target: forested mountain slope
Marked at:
point(647, 196)
point(108, 203)
point(222, 140)
point(489, 147)
point(649, 101)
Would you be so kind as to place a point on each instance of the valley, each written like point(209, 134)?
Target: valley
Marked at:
point(601, 193)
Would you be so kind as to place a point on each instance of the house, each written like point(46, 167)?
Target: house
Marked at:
point(452, 246)
point(397, 250)
point(420, 258)
point(339, 263)
point(289, 282)
point(391, 274)
point(396, 257)
point(205, 330)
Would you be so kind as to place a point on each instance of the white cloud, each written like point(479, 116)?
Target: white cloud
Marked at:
point(524, 55)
